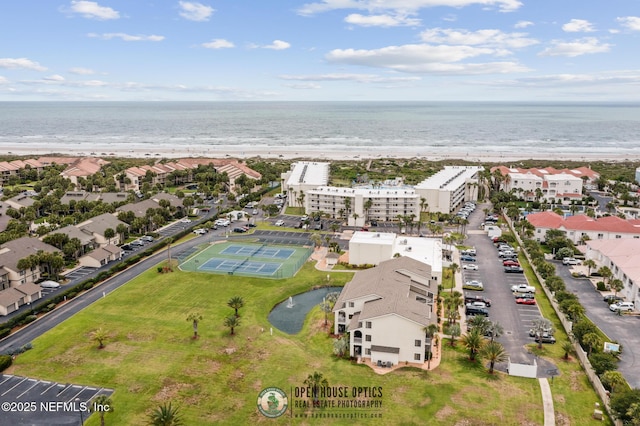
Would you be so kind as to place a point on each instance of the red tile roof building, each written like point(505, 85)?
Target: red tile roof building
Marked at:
point(578, 226)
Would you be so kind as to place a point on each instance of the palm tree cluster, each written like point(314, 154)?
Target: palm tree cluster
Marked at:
point(233, 321)
point(489, 350)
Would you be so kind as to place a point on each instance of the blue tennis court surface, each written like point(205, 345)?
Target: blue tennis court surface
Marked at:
point(217, 264)
point(263, 252)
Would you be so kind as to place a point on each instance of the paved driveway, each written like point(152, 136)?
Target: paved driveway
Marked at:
point(623, 329)
point(515, 319)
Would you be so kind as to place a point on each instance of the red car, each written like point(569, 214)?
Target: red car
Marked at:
point(510, 263)
point(525, 301)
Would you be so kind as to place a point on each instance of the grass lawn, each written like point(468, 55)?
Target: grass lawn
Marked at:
point(151, 359)
point(299, 211)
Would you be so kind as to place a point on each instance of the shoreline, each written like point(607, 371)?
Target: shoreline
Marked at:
point(304, 152)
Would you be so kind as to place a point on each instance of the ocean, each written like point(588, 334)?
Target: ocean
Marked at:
point(457, 128)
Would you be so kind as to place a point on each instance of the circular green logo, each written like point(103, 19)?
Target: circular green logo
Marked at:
point(272, 402)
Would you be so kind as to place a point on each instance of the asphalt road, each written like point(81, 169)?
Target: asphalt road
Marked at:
point(623, 329)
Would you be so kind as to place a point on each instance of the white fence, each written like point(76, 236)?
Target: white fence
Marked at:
point(523, 370)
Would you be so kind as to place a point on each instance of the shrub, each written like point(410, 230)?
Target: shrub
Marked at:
point(72, 294)
point(622, 401)
point(29, 318)
point(159, 269)
point(603, 361)
point(4, 332)
point(600, 286)
point(5, 362)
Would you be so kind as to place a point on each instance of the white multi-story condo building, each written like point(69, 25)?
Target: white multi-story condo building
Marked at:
point(448, 189)
point(303, 177)
point(361, 205)
point(386, 310)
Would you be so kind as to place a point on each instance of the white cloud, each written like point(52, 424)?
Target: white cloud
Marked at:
point(3, 80)
point(488, 38)
point(195, 11)
point(424, 58)
point(21, 63)
point(55, 77)
point(575, 48)
point(126, 37)
point(92, 10)
point(81, 71)
point(578, 26)
point(218, 43)
point(630, 22)
point(303, 86)
point(402, 5)
point(381, 20)
point(360, 78)
point(278, 45)
point(523, 24)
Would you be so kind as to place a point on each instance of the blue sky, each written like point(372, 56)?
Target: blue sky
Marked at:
point(324, 50)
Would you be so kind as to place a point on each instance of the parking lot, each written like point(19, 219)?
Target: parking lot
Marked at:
point(515, 319)
point(38, 402)
point(81, 272)
point(282, 237)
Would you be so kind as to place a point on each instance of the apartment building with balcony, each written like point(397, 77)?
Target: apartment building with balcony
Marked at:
point(450, 188)
point(385, 309)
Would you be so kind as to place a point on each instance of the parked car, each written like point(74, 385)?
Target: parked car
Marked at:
point(610, 298)
point(254, 212)
point(510, 262)
point(374, 223)
point(200, 231)
point(546, 338)
point(621, 307)
point(546, 331)
point(126, 247)
point(467, 258)
point(523, 288)
point(185, 220)
point(147, 238)
point(473, 285)
point(49, 284)
point(280, 223)
point(251, 225)
point(136, 243)
point(513, 269)
point(472, 311)
point(470, 266)
point(526, 301)
point(570, 261)
point(470, 298)
point(476, 304)
point(519, 295)
point(239, 230)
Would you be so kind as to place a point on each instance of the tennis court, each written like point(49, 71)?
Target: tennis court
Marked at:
point(239, 266)
point(248, 259)
point(261, 251)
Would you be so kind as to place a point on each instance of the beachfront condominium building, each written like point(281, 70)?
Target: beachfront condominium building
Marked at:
point(386, 310)
point(301, 178)
point(361, 205)
point(623, 259)
point(548, 184)
point(450, 188)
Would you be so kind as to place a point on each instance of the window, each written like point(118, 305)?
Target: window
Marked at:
point(367, 351)
point(368, 324)
point(367, 337)
point(418, 343)
point(352, 304)
point(618, 236)
point(417, 357)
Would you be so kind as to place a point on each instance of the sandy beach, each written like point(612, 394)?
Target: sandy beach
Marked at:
point(297, 152)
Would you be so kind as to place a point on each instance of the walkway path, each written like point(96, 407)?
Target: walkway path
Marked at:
point(547, 403)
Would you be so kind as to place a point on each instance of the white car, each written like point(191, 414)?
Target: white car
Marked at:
point(280, 223)
point(470, 266)
point(570, 261)
point(185, 220)
point(200, 231)
point(49, 284)
point(254, 212)
point(621, 307)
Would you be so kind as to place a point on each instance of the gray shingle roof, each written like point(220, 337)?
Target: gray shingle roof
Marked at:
point(12, 251)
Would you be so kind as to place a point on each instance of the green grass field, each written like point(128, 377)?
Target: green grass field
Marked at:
point(151, 359)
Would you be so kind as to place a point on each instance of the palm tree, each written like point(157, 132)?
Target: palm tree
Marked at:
point(611, 379)
point(100, 336)
point(567, 347)
point(367, 206)
point(165, 415)
point(496, 330)
point(493, 352)
point(315, 381)
point(606, 273)
point(454, 332)
point(195, 317)
point(473, 341)
point(454, 267)
point(232, 322)
point(101, 404)
point(541, 326)
point(236, 302)
point(591, 340)
point(590, 264)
